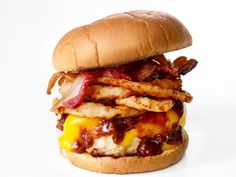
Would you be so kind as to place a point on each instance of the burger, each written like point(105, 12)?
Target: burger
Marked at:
point(121, 107)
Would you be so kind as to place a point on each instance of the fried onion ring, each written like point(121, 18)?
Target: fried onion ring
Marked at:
point(147, 89)
point(145, 103)
point(98, 110)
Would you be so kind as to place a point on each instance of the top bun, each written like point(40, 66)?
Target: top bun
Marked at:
point(120, 39)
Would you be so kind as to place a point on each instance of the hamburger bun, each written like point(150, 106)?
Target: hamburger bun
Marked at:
point(129, 164)
point(120, 39)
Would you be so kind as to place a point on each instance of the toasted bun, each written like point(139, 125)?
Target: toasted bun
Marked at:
point(120, 39)
point(131, 164)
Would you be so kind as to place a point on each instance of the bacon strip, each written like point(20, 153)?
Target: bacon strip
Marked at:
point(81, 82)
point(158, 65)
point(144, 70)
point(76, 93)
point(180, 65)
point(113, 72)
point(165, 66)
point(184, 66)
point(161, 59)
point(78, 90)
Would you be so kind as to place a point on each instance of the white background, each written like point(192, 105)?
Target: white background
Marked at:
point(29, 30)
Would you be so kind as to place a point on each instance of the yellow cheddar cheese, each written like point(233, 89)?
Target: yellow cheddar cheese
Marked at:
point(182, 120)
point(172, 118)
point(73, 124)
point(166, 146)
point(129, 137)
point(71, 130)
point(149, 129)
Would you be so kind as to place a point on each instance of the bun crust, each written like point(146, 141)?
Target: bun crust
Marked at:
point(131, 164)
point(120, 39)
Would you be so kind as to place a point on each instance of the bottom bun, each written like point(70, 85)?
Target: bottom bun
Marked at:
point(129, 164)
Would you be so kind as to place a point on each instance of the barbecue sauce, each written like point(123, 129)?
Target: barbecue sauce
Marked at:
point(86, 141)
point(153, 146)
point(61, 121)
point(174, 136)
point(117, 127)
point(149, 146)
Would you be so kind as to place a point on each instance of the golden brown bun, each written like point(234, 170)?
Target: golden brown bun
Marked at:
point(132, 164)
point(120, 39)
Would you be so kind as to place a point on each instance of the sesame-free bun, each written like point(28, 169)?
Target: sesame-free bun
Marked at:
point(129, 164)
point(120, 39)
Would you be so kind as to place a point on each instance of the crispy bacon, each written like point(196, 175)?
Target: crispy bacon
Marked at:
point(156, 70)
point(76, 93)
point(114, 73)
point(138, 71)
point(180, 65)
point(184, 66)
point(169, 69)
point(81, 82)
point(165, 66)
point(78, 90)
point(158, 66)
point(161, 59)
point(85, 82)
point(144, 70)
point(178, 62)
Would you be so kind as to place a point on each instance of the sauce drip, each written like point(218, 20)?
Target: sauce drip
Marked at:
point(179, 108)
point(86, 141)
point(174, 136)
point(148, 147)
point(151, 144)
point(115, 127)
point(61, 121)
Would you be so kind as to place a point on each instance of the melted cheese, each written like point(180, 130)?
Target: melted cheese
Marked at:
point(71, 130)
point(182, 120)
point(172, 118)
point(149, 129)
point(166, 146)
point(129, 137)
point(74, 123)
